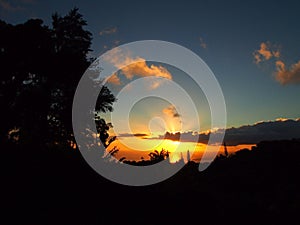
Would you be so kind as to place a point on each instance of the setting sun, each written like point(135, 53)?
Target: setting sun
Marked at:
point(176, 143)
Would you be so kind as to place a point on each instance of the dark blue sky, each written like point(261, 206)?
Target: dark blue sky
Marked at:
point(230, 31)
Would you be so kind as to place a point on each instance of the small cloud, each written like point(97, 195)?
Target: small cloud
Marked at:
point(287, 76)
point(280, 66)
point(109, 45)
point(276, 53)
point(281, 119)
point(116, 42)
point(108, 31)
point(283, 74)
point(171, 111)
point(5, 5)
point(141, 69)
point(155, 83)
point(141, 135)
point(266, 52)
point(202, 43)
point(114, 79)
point(135, 66)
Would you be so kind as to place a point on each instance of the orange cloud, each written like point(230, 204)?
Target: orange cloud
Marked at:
point(154, 83)
point(283, 74)
point(287, 76)
point(114, 79)
point(108, 31)
point(142, 69)
point(171, 111)
point(276, 53)
point(280, 65)
point(265, 52)
point(135, 66)
point(202, 43)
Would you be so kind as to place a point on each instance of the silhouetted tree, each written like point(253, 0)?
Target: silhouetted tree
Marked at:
point(68, 32)
point(159, 156)
point(25, 50)
point(41, 68)
point(71, 43)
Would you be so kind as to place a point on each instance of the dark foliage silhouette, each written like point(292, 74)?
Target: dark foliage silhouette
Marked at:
point(157, 156)
point(41, 67)
point(154, 157)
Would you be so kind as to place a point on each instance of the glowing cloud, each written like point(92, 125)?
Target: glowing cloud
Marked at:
point(137, 66)
point(171, 111)
point(142, 69)
point(287, 76)
point(114, 79)
point(266, 52)
point(282, 74)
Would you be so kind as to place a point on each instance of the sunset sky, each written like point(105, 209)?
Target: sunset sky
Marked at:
point(252, 47)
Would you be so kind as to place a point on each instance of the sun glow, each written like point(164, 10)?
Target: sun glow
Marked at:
point(176, 143)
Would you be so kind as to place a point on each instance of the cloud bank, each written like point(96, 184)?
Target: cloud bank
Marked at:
point(248, 134)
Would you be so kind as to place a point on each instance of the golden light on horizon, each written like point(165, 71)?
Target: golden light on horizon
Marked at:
point(178, 150)
point(176, 142)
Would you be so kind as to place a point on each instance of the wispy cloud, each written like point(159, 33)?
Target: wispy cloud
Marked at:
point(171, 111)
point(108, 31)
point(110, 45)
point(202, 43)
point(135, 66)
point(287, 76)
point(7, 6)
point(141, 135)
point(266, 52)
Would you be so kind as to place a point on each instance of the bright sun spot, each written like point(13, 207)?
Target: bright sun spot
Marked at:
point(175, 142)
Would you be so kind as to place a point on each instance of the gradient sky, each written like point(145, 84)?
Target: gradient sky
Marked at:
point(225, 34)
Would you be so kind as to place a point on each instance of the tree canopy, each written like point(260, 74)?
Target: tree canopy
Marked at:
point(41, 67)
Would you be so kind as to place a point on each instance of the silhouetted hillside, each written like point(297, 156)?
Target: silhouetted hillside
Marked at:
point(58, 187)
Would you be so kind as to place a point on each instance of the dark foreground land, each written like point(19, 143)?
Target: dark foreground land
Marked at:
point(58, 187)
